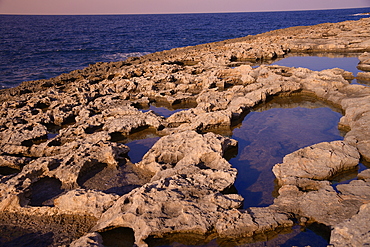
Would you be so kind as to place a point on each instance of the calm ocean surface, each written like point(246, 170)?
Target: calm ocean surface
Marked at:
point(41, 47)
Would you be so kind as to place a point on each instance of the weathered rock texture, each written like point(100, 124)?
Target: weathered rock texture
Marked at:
point(62, 153)
point(354, 231)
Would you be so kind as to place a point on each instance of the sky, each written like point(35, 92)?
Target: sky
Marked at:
point(168, 6)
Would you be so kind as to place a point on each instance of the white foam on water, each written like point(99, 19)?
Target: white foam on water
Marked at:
point(359, 14)
point(123, 56)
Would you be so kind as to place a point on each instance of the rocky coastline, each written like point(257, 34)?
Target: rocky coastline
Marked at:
point(66, 175)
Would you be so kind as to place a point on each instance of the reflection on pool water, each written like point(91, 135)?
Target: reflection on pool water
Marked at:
point(138, 148)
point(272, 131)
point(165, 109)
point(162, 111)
point(317, 63)
point(297, 236)
point(139, 142)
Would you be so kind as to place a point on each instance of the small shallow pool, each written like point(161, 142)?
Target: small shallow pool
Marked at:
point(318, 63)
point(275, 129)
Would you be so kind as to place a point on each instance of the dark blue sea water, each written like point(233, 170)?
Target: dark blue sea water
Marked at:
point(41, 47)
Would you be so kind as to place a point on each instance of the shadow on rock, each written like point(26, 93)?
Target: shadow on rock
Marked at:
point(18, 237)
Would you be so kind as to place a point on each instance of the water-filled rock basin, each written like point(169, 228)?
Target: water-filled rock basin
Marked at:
point(273, 130)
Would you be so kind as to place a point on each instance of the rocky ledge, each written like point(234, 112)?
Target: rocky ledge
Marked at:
point(66, 175)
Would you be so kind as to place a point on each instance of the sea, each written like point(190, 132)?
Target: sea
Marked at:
point(36, 47)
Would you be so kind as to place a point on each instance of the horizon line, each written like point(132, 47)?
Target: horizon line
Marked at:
point(177, 13)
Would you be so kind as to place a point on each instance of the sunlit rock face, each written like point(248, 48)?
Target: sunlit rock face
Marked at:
point(352, 230)
point(64, 157)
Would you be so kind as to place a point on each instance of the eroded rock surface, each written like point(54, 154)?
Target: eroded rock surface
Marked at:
point(305, 175)
point(63, 152)
point(364, 63)
point(354, 231)
point(317, 162)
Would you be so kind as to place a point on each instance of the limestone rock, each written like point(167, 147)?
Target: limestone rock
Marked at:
point(318, 162)
point(119, 120)
point(364, 175)
point(234, 223)
point(173, 204)
point(23, 135)
point(190, 146)
point(84, 202)
point(358, 189)
point(306, 191)
point(91, 239)
point(354, 231)
point(365, 76)
point(11, 164)
point(364, 63)
point(324, 205)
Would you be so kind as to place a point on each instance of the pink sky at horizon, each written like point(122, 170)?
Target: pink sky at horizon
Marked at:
point(167, 6)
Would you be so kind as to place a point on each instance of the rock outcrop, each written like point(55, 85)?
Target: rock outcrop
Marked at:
point(364, 63)
point(63, 152)
point(354, 231)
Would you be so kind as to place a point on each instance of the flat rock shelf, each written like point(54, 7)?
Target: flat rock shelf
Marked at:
point(67, 178)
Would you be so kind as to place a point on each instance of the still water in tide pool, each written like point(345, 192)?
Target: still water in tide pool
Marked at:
point(321, 62)
point(318, 63)
point(272, 131)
